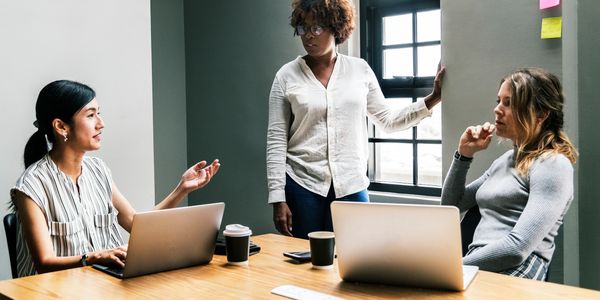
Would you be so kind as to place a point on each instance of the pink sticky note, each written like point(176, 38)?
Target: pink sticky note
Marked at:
point(548, 3)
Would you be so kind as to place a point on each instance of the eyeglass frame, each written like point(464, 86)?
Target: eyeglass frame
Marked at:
point(314, 29)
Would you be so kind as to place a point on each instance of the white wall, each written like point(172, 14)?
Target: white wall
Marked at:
point(105, 44)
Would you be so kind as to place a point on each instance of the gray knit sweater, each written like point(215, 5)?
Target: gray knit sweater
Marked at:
point(519, 215)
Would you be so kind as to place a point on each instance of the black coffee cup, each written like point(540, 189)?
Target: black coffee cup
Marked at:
point(237, 244)
point(322, 244)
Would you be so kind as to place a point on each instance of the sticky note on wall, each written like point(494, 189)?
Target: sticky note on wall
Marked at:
point(548, 3)
point(551, 28)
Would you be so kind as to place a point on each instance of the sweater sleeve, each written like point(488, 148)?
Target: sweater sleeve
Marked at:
point(277, 137)
point(454, 191)
point(550, 193)
point(387, 117)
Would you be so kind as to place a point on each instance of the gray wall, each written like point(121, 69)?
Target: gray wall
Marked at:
point(588, 43)
point(105, 44)
point(233, 50)
point(571, 244)
point(481, 42)
point(168, 82)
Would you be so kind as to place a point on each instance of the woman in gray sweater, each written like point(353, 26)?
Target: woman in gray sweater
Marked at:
point(526, 192)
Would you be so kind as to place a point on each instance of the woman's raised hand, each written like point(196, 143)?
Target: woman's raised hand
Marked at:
point(436, 94)
point(198, 175)
point(475, 138)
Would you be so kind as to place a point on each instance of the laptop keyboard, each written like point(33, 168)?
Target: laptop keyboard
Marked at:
point(117, 271)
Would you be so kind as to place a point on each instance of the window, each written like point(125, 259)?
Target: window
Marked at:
point(401, 40)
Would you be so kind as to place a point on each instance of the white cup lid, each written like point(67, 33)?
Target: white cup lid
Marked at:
point(321, 235)
point(236, 230)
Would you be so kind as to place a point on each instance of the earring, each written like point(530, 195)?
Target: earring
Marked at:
point(65, 135)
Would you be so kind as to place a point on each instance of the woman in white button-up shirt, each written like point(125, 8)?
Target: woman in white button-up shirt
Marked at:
point(317, 136)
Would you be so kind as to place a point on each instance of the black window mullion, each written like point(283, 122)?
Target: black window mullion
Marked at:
point(415, 44)
point(414, 36)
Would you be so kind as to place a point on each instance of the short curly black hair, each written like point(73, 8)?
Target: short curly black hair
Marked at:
point(336, 15)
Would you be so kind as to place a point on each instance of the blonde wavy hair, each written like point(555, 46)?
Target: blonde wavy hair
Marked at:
point(536, 94)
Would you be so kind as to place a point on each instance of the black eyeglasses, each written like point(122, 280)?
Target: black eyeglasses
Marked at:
point(314, 29)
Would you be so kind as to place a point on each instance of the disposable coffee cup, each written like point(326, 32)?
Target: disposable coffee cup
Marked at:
point(322, 244)
point(237, 244)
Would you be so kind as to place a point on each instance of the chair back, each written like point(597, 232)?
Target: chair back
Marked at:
point(467, 227)
point(10, 227)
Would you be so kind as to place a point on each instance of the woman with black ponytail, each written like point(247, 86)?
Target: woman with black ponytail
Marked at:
point(67, 203)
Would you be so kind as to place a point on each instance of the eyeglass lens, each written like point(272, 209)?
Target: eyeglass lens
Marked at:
point(314, 29)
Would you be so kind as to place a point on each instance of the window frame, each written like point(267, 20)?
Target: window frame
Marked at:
point(372, 49)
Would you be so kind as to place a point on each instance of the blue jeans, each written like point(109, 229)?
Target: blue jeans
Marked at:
point(310, 211)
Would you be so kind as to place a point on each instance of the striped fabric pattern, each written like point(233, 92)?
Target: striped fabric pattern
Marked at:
point(534, 267)
point(80, 220)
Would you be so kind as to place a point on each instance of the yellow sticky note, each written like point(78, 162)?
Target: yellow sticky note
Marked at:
point(551, 28)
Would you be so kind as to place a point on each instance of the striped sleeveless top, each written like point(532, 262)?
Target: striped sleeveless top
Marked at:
point(79, 220)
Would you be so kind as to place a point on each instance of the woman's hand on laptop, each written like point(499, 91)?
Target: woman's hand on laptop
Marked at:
point(198, 176)
point(115, 257)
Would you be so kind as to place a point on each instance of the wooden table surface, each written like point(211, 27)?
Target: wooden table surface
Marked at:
point(265, 271)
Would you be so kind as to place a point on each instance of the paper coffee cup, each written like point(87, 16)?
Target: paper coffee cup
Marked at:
point(237, 243)
point(322, 244)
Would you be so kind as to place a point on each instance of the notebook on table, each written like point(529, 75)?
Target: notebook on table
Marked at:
point(169, 239)
point(400, 244)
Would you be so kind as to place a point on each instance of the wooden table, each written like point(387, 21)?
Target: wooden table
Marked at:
point(266, 270)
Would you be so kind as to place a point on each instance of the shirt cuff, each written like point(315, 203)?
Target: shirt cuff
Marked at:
point(276, 196)
point(460, 157)
point(422, 108)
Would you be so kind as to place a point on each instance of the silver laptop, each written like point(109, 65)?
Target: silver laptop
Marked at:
point(400, 244)
point(169, 239)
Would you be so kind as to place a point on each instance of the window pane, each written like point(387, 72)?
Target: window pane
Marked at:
point(428, 26)
point(428, 59)
point(430, 164)
point(431, 128)
point(398, 62)
point(397, 29)
point(394, 162)
point(403, 134)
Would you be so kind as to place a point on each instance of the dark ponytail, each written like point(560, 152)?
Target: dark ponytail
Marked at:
point(35, 148)
point(60, 99)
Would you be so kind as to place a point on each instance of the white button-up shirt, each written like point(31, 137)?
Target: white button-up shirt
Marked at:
point(318, 135)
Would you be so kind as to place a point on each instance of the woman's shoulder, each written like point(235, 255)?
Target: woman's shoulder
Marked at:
point(352, 59)
point(34, 178)
point(36, 169)
point(354, 65)
point(290, 67)
point(556, 161)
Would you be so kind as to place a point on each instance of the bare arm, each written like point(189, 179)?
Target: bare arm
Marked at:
point(37, 236)
point(192, 179)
